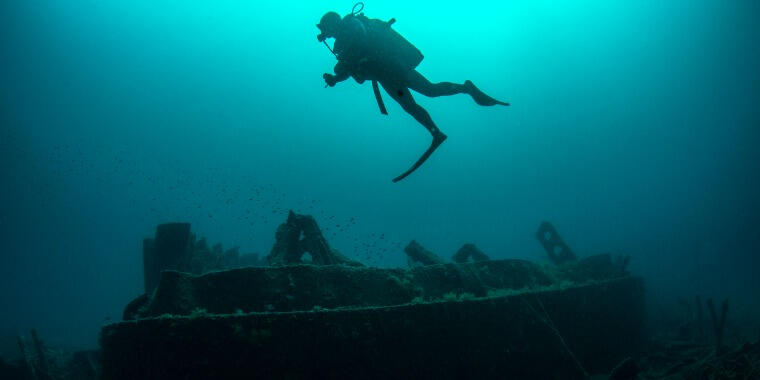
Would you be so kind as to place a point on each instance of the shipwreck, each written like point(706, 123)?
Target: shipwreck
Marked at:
point(214, 313)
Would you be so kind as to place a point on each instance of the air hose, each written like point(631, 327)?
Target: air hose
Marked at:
point(355, 11)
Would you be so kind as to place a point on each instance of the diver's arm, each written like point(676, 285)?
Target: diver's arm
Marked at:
point(331, 80)
point(341, 73)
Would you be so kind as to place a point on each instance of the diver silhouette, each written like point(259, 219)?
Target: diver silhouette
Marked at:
point(369, 49)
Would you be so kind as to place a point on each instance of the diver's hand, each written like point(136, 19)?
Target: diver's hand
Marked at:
point(330, 79)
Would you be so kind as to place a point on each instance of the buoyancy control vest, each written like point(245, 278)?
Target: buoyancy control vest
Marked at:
point(375, 46)
point(386, 46)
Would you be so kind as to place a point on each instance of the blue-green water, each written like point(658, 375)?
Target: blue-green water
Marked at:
point(634, 128)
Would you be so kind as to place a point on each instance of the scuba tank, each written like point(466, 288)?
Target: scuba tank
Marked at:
point(384, 48)
point(385, 45)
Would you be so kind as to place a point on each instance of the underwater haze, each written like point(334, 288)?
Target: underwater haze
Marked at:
point(634, 128)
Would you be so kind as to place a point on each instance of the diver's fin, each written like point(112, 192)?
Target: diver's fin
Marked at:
point(437, 140)
point(480, 97)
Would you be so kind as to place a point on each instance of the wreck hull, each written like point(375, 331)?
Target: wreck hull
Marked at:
point(537, 334)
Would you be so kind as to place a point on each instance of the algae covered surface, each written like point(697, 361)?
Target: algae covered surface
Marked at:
point(437, 321)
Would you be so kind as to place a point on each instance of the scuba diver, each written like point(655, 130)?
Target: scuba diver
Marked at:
point(369, 49)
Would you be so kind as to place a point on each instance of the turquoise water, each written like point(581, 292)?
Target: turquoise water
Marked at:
point(634, 128)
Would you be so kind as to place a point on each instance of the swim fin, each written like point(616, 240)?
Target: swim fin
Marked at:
point(438, 139)
point(480, 97)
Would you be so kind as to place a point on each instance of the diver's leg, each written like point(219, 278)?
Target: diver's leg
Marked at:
point(402, 95)
point(404, 98)
point(419, 83)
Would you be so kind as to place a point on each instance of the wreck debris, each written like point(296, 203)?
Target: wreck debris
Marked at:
point(594, 267)
point(168, 250)
point(417, 255)
point(300, 235)
point(555, 247)
point(84, 365)
point(35, 361)
point(175, 248)
point(469, 252)
point(718, 324)
point(621, 262)
point(700, 319)
point(675, 360)
point(27, 358)
point(132, 310)
point(41, 362)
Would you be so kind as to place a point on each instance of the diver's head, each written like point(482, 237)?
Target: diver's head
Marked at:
point(328, 25)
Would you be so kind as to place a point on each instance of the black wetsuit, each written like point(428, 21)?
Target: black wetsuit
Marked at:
point(363, 54)
point(358, 58)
